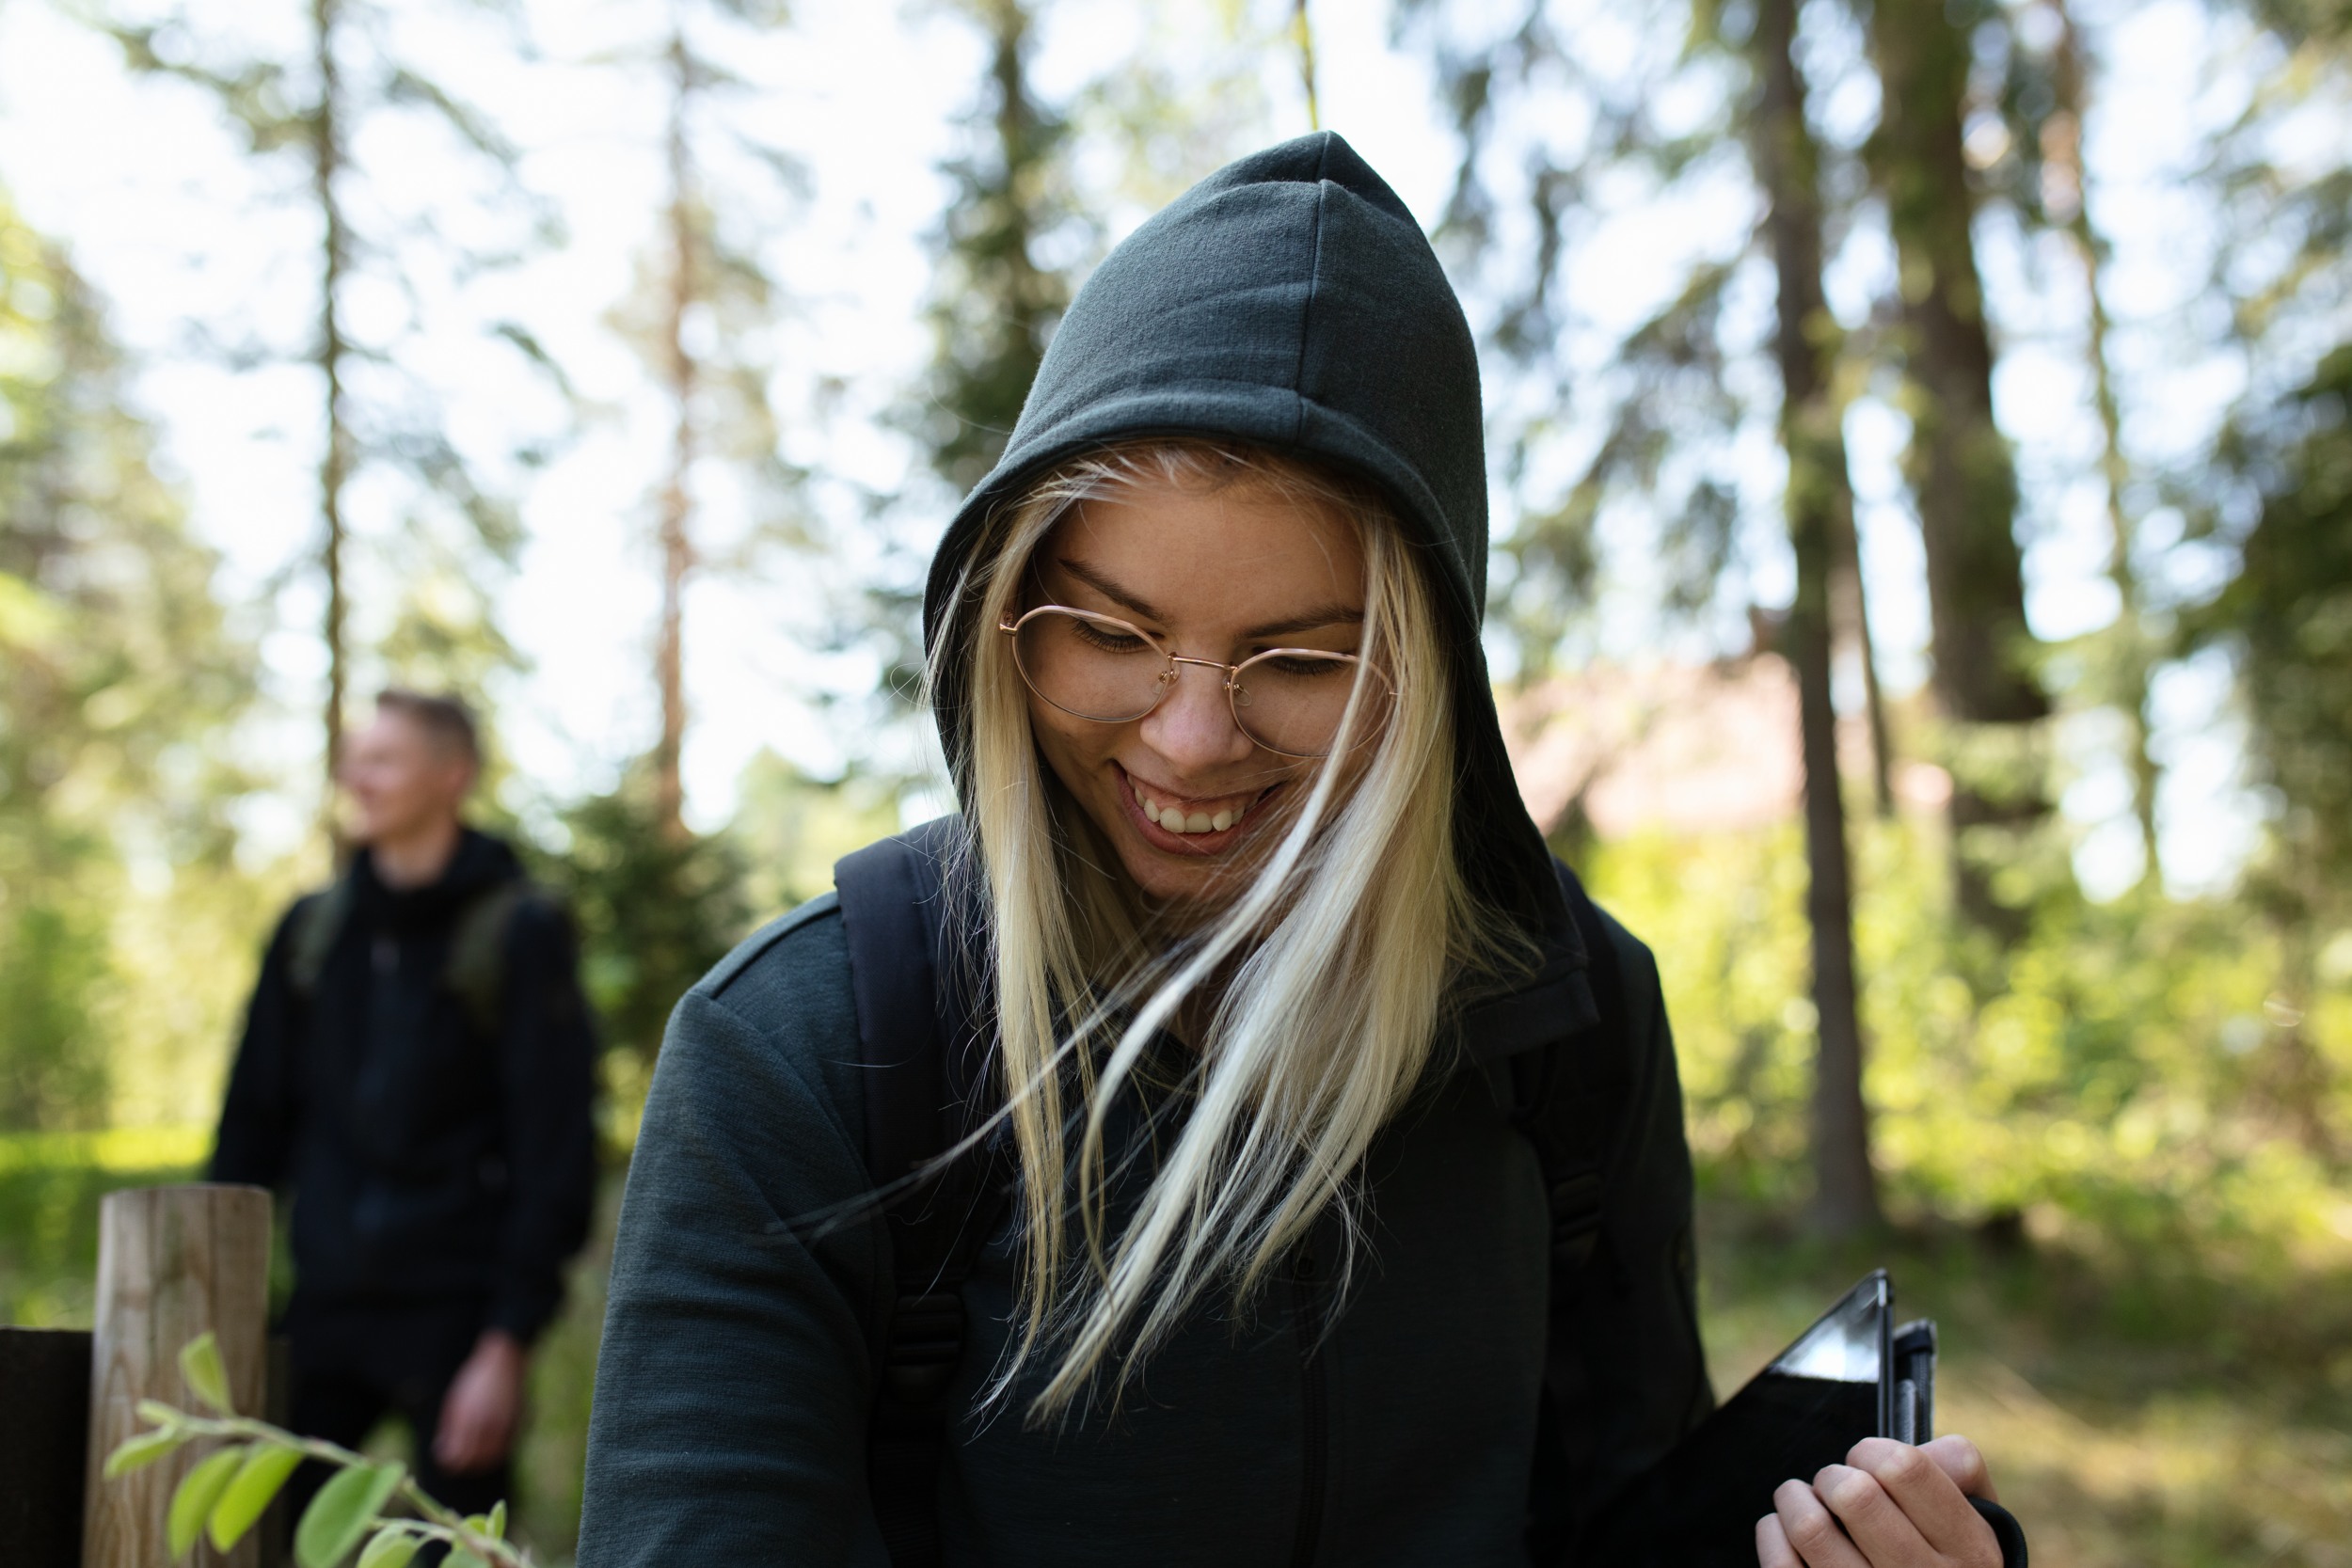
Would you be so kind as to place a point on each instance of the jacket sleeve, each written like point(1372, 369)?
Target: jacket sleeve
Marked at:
point(255, 1141)
point(548, 1081)
point(1630, 1372)
point(735, 1377)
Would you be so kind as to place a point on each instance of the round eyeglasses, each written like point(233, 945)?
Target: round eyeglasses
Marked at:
point(1290, 701)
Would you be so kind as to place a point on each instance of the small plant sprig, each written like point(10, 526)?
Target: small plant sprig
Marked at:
point(227, 1492)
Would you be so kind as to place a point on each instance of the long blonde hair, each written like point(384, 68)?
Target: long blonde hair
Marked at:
point(1329, 972)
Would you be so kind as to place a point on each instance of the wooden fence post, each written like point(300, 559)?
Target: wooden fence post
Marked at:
point(172, 1262)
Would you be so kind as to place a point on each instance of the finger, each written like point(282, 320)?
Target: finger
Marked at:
point(1876, 1522)
point(1927, 1495)
point(1958, 1457)
point(1812, 1529)
point(1772, 1549)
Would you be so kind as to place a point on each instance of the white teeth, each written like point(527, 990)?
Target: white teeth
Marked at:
point(1174, 821)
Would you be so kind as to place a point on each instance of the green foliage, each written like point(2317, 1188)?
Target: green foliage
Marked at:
point(207, 1378)
point(342, 1513)
point(655, 911)
point(226, 1493)
point(117, 668)
point(996, 301)
point(2133, 1080)
point(790, 828)
point(51, 1187)
point(2288, 616)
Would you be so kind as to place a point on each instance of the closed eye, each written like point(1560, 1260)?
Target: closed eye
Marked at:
point(1107, 640)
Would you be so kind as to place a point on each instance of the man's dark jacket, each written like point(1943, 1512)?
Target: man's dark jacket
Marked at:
point(437, 1168)
point(1456, 1398)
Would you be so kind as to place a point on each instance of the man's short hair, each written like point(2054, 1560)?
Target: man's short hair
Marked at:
point(447, 721)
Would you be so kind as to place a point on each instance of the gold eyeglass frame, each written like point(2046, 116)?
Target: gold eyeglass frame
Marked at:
point(1166, 679)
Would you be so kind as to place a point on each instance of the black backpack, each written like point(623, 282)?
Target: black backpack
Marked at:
point(474, 972)
point(923, 1056)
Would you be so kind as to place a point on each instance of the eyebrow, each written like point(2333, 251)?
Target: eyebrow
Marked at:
point(1328, 614)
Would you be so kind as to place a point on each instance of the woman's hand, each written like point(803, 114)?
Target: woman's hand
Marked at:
point(1901, 1507)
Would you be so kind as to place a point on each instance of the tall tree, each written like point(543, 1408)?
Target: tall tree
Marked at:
point(2041, 170)
point(1963, 480)
point(2065, 193)
point(1303, 39)
point(705, 270)
point(1820, 506)
point(375, 414)
point(118, 673)
point(994, 304)
point(1529, 200)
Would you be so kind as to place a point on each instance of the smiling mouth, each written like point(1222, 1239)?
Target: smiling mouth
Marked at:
point(1194, 826)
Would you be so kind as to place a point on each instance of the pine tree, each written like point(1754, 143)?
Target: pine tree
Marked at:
point(118, 670)
point(704, 265)
point(1820, 505)
point(1963, 480)
point(375, 416)
point(995, 304)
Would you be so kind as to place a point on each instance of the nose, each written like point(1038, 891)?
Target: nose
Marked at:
point(1193, 727)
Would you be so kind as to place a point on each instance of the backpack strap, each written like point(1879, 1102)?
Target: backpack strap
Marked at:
point(475, 969)
point(1568, 1100)
point(919, 1101)
point(1565, 1102)
point(317, 922)
point(474, 972)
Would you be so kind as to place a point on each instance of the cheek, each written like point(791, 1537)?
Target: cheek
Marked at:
point(1072, 747)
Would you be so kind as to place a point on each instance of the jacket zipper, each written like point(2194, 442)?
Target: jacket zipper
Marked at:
point(1312, 1437)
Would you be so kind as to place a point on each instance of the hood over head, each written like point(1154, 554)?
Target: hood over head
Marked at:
point(1287, 301)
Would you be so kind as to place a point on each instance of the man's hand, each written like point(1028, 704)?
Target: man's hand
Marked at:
point(1901, 1507)
point(484, 1402)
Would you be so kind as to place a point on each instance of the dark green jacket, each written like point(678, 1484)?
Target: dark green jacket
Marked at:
point(1454, 1393)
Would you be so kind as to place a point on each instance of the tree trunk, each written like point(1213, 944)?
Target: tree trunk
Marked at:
point(1303, 35)
point(2062, 140)
point(335, 465)
point(1820, 504)
point(677, 556)
point(1850, 624)
point(1958, 465)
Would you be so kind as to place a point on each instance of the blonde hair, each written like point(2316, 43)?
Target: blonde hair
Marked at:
point(1336, 960)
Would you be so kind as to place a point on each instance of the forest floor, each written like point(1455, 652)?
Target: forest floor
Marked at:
point(2139, 1412)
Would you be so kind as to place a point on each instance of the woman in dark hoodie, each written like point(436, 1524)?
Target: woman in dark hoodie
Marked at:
point(1295, 1265)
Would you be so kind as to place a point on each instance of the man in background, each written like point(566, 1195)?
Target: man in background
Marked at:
point(417, 1068)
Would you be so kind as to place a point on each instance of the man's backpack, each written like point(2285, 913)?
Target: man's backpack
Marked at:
point(474, 972)
point(923, 1084)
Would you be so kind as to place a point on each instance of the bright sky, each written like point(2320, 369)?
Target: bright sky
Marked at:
point(185, 234)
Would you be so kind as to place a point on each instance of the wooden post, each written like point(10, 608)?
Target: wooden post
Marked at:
point(172, 1262)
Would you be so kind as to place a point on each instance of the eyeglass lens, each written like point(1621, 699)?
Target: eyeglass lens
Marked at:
point(1287, 701)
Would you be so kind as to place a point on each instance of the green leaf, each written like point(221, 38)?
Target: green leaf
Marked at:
point(492, 1524)
point(255, 1483)
point(391, 1548)
point(208, 1380)
point(141, 1450)
point(345, 1506)
point(460, 1558)
point(200, 1489)
point(155, 1413)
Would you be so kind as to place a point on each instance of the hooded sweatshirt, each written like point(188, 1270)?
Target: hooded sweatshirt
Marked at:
point(441, 1175)
point(1453, 1406)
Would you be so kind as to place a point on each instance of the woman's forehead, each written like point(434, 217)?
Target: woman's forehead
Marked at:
point(1237, 553)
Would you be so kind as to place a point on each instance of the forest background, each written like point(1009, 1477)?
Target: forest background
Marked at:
point(1974, 370)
